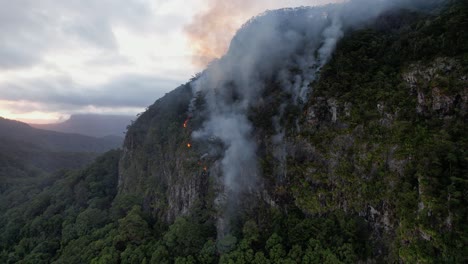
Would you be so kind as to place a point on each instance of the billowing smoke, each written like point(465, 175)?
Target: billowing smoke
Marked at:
point(210, 32)
point(212, 29)
point(286, 47)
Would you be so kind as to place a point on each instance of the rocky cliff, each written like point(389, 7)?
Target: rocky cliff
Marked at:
point(334, 134)
point(381, 137)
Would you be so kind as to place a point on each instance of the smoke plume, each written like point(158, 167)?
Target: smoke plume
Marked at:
point(288, 47)
point(212, 29)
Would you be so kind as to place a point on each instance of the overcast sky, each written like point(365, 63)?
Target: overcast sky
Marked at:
point(60, 57)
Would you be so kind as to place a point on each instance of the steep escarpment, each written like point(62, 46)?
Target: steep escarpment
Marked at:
point(347, 144)
point(382, 126)
point(389, 147)
point(157, 166)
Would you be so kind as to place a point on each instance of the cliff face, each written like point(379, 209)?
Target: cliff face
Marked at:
point(386, 161)
point(381, 136)
point(156, 165)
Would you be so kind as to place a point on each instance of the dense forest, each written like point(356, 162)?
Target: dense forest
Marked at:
point(28, 154)
point(377, 172)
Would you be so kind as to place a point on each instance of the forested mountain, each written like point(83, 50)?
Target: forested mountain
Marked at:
point(350, 154)
point(93, 125)
point(22, 162)
point(55, 141)
point(29, 154)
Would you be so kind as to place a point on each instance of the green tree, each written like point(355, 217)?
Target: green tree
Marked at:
point(275, 249)
point(133, 228)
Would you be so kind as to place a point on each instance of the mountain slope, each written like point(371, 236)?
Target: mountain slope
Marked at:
point(54, 141)
point(27, 154)
point(369, 167)
point(383, 126)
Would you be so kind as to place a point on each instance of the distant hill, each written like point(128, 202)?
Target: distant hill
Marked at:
point(56, 141)
point(91, 125)
point(21, 161)
point(27, 153)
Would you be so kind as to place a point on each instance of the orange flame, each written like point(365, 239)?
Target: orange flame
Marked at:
point(189, 145)
point(186, 123)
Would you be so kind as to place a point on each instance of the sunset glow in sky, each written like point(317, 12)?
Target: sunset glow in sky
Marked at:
point(59, 58)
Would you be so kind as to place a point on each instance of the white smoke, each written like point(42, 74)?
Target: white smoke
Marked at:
point(239, 165)
point(331, 35)
point(288, 47)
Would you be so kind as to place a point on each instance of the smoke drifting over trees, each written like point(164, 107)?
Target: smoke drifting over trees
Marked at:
point(288, 47)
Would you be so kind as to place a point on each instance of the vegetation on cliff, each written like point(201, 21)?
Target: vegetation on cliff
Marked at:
point(376, 170)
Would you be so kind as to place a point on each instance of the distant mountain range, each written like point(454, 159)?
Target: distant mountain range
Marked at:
point(23, 148)
point(56, 141)
point(91, 125)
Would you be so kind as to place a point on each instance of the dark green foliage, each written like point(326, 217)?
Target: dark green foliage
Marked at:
point(55, 141)
point(386, 182)
point(388, 123)
point(63, 216)
point(296, 239)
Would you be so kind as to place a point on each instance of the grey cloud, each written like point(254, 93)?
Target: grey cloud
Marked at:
point(134, 90)
point(12, 58)
point(19, 44)
point(98, 34)
point(106, 59)
point(125, 91)
point(28, 28)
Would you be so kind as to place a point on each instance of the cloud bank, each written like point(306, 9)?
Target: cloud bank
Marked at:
point(87, 55)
